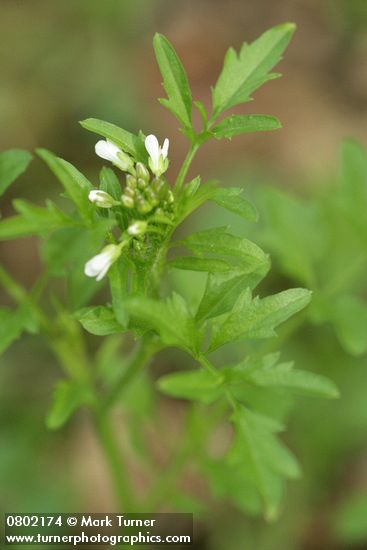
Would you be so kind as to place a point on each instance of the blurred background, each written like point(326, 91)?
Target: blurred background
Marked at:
point(62, 62)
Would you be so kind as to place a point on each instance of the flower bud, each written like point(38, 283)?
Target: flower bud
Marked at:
point(142, 184)
point(142, 172)
point(101, 199)
point(143, 206)
point(138, 227)
point(127, 201)
point(131, 181)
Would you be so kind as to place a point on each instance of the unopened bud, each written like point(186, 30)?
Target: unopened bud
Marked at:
point(131, 181)
point(102, 199)
point(143, 206)
point(151, 196)
point(127, 201)
point(142, 184)
point(142, 172)
point(138, 227)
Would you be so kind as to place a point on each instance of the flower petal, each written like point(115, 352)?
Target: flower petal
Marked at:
point(152, 146)
point(107, 150)
point(165, 148)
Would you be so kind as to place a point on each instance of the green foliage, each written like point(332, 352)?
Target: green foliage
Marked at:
point(350, 520)
point(257, 318)
point(245, 72)
point(175, 80)
point(12, 165)
point(235, 125)
point(125, 240)
point(130, 143)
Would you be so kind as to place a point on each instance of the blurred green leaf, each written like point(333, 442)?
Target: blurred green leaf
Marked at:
point(128, 142)
point(12, 324)
point(349, 316)
point(284, 376)
point(198, 385)
point(230, 199)
point(209, 265)
point(99, 320)
point(270, 461)
point(245, 72)
point(235, 125)
point(34, 220)
point(12, 164)
point(68, 396)
point(74, 182)
point(175, 81)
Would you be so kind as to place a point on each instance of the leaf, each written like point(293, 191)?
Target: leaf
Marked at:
point(175, 81)
point(285, 376)
point(235, 125)
point(349, 317)
point(245, 72)
point(170, 319)
point(195, 195)
point(68, 396)
point(218, 242)
point(110, 183)
point(255, 318)
point(200, 264)
point(74, 182)
point(230, 199)
point(118, 277)
point(129, 143)
point(33, 220)
point(269, 461)
point(12, 164)
point(12, 324)
point(99, 320)
point(222, 291)
point(198, 385)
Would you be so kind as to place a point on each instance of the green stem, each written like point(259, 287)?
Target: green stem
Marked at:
point(144, 351)
point(185, 167)
point(113, 455)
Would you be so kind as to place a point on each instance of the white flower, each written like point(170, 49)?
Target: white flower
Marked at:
point(102, 199)
point(137, 228)
point(107, 150)
point(99, 265)
point(158, 161)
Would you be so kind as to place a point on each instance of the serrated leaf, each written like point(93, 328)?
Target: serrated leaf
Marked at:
point(243, 73)
point(230, 199)
point(12, 164)
point(76, 185)
point(171, 320)
point(235, 125)
point(33, 220)
point(198, 385)
point(99, 320)
point(268, 459)
point(256, 318)
point(68, 396)
point(175, 80)
point(128, 142)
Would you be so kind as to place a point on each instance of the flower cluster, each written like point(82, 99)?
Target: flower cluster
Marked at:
point(143, 194)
